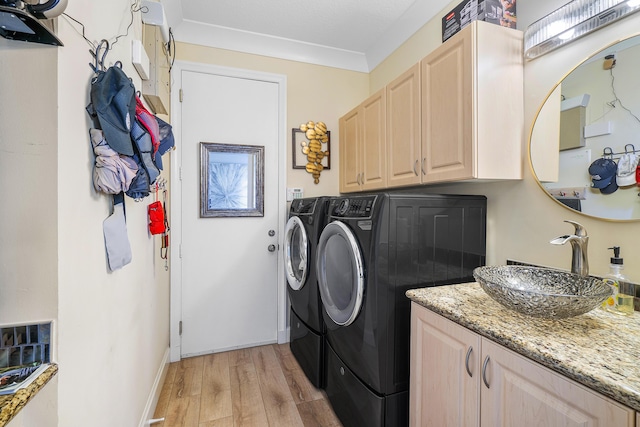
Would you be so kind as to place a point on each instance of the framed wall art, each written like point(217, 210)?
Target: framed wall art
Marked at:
point(300, 142)
point(231, 180)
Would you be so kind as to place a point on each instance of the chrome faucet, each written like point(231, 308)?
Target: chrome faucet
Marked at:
point(579, 240)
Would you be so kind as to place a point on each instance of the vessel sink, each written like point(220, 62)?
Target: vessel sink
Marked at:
point(542, 292)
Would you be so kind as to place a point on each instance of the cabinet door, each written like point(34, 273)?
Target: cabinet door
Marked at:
point(523, 393)
point(445, 372)
point(447, 110)
point(373, 142)
point(349, 151)
point(403, 129)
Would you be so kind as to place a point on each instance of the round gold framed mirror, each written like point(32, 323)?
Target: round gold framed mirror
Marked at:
point(584, 145)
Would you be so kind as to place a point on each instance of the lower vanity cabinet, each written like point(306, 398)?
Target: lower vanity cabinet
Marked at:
point(459, 378)
point(444, 388)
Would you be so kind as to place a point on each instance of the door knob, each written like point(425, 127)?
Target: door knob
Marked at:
point(271, 248)
point(272, 233)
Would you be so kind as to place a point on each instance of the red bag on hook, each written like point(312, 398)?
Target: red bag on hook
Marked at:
point(156, 218)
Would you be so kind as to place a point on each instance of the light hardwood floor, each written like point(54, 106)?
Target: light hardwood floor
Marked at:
point(255, 387)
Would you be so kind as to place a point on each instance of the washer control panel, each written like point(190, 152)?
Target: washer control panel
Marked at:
point(303, 206)
point(352, 207)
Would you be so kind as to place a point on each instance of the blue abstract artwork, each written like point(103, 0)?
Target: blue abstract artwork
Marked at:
point(228, 185)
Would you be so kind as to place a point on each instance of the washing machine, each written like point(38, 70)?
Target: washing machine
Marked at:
point(373, 249)
point(307, 218)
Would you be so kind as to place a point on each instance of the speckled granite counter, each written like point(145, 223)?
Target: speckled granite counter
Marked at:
point(11, 404)
point(598, 349)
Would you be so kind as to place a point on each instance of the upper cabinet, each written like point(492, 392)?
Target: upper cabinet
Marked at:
point(472, 106)
point(363, 164)
point(403, 129)
point(456, 115)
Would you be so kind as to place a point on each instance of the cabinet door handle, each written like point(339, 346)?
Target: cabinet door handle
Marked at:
point(415, 167)
point(466, 361)
point(358, 179)
point(424, 159)
point(362, 178)
point(484, 371)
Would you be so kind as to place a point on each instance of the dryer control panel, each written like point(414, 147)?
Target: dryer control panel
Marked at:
point(353, 207)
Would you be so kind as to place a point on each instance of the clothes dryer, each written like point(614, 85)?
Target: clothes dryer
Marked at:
point(373, 249)
point(307, 218)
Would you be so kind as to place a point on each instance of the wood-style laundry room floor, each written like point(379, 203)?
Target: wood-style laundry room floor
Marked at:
point(256, 387)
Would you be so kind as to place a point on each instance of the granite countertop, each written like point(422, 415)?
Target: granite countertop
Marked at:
point(11, 404)
point(598, 349)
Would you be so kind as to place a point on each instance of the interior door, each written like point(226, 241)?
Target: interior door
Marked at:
point(229, 265)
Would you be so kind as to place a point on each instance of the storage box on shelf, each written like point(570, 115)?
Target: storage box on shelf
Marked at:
point(500, 12)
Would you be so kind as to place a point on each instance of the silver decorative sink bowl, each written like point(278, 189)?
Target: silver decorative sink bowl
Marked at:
point(542, 292)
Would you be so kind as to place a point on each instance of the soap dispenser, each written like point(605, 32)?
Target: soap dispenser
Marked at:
point(618, 303)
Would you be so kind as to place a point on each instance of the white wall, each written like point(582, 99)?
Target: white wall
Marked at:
point(28, 183)
point(112, 328)
point(28, 190)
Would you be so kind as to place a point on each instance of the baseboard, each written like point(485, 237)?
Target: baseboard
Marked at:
point(154, 395)
point(283, 336)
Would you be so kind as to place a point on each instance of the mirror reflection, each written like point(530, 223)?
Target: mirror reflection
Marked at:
point(585, 143)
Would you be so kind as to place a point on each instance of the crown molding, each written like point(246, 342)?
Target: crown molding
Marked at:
point(259, 44)
point(191, 31)
point(402, 29)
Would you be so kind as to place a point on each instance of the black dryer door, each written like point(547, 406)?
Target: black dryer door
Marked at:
point(296, 253)
point(340, 271)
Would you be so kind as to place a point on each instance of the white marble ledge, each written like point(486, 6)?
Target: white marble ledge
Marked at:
point(598, 349)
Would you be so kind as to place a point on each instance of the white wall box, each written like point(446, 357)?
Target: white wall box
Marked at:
point(157, 89)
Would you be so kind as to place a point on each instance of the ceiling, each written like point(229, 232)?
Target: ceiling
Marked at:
point(349, 34)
